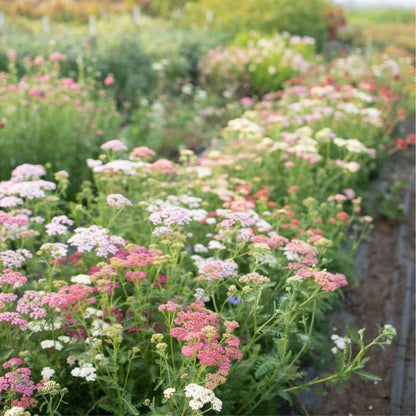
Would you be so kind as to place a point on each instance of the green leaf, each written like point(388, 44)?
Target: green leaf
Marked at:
point(285, 396)
point(365, 375)
point(265, 366)
point(353, 335)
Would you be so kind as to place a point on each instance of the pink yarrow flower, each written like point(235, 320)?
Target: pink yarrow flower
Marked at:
point(56, 57)
point(142, 152)
point(218, 270)
point(27, 171)
point(199, 329)
point(114, 145)
point(109, 80)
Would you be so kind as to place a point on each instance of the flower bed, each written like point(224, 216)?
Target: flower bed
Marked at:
point(46, 118)
point(203, 285)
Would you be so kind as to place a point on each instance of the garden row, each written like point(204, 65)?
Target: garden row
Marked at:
point(55, 105)
point(201, 283)
point(198, 285)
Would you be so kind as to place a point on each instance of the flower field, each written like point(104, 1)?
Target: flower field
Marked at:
point(175, 245)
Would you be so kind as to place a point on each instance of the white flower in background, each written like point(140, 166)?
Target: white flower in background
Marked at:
point(96, 238)
point(98, 326)
point(14, 258)
point(64, 338)
point(55, 250)
point(245, 127)
point(200, 295)
point(352, 166)
point(171, 215)
point(27, 171)
point(201, 94)
point(271, 70)
point(86, 370)
point(10, 201)
point(101, 359)
point(42, 325)
point(339, 342)
point(58, 225)
point(216, 245)
point(187, 89)
point(199, 248)
point(157, 66)
point(48, 343)
point(118, 201)
point(290, 256)
point(47, 373)
point(16, 411)
point(82, 279)
point(191, 201)
point(92, 163)
point(168, 393)
point(198, 214)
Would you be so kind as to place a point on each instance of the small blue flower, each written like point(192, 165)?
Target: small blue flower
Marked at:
point(234, 300)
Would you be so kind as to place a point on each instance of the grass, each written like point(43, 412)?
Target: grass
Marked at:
point(380, 16)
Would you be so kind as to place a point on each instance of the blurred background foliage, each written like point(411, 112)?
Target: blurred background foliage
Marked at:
point(179, 70)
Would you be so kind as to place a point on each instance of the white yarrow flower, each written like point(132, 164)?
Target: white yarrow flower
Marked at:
point(83, 279)
point(169, 392)
point(47, 373)
point(200, 396)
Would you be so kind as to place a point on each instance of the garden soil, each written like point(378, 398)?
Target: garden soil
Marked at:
point(384, 294)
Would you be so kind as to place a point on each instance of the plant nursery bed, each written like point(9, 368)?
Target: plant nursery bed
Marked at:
point(384, 293)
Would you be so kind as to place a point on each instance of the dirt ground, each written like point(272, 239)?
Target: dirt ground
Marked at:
point(379, 298)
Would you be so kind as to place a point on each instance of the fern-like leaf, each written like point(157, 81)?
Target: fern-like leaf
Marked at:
point(365, 375)
point(265, 366)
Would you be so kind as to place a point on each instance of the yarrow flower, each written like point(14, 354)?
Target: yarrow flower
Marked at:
point(10, 277)
point(201, 396)
point(199, 329)
point(118, 201)
point(13, 363)
point(27, 171)
point(200, 295)
point(58, 225)
point(142, 152)
point(328, 281)
point(254, 279)
point(169, 392)
point(10, 201)
point(114, 145)
point(218, 270)
point(86, 370)
point(83, 279)
point(47, 373)
point(55, 250)
point(18, 381)
point(96, 238)
point(48, 343)
point(170, 216)
point(299, 250)
point(339, 342)
point(31, 304)
point(15, 258)
point(6, 298)
point(11, 220)
point(17, 411)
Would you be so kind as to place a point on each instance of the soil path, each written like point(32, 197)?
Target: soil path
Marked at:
point(384, 294)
